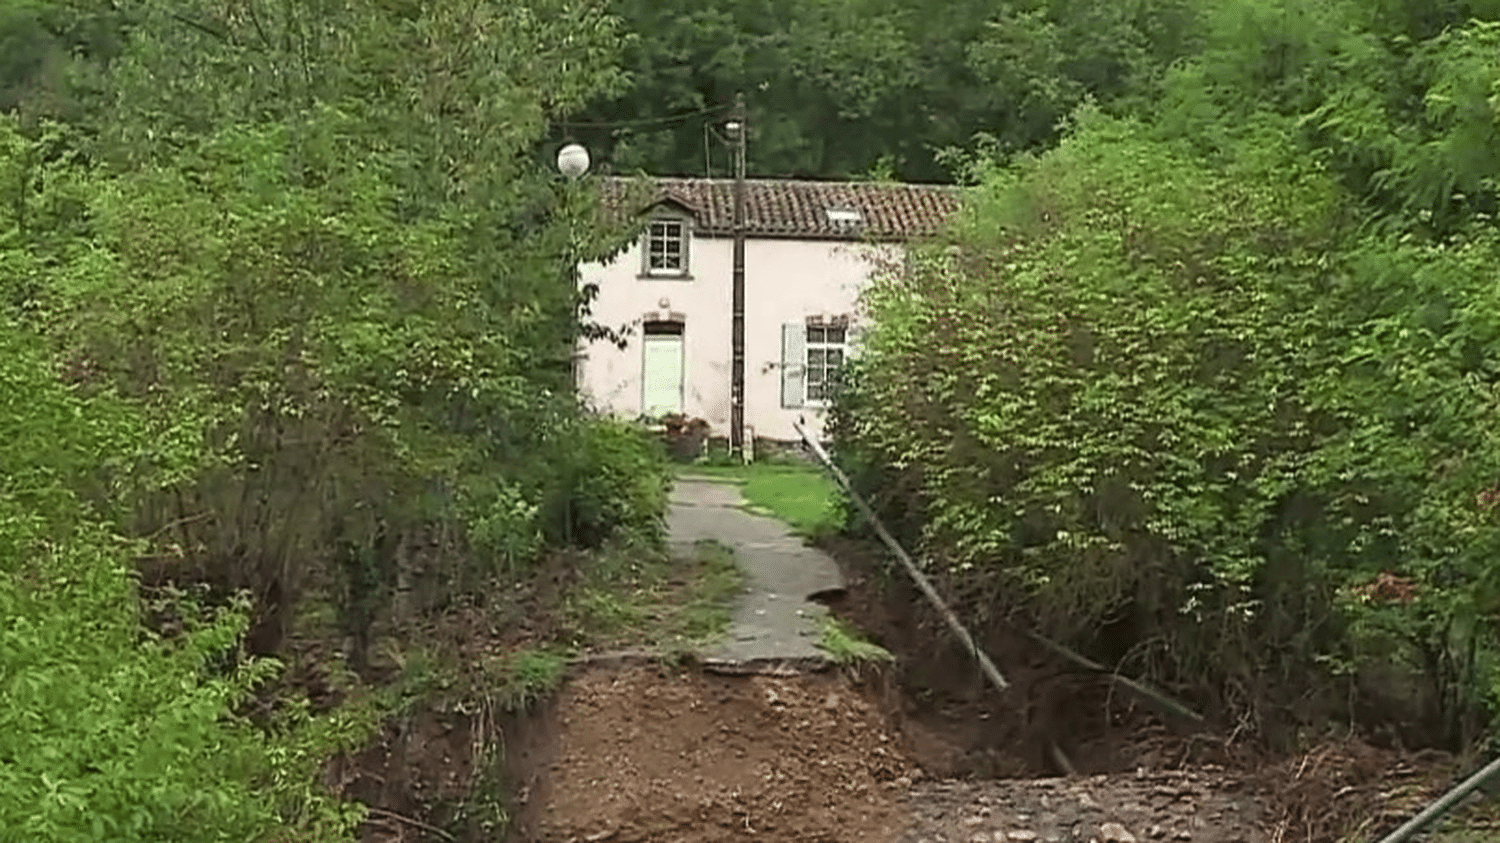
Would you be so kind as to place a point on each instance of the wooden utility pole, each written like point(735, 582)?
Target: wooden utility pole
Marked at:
point(737, 329)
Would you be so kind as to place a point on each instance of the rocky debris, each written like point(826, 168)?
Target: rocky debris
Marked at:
point(1206, 805)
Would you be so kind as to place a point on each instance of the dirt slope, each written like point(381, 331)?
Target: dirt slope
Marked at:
point(643, 755)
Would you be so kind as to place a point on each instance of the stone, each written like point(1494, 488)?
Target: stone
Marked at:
point(1156, 832)
point(1021, 836)
point(1115, 833)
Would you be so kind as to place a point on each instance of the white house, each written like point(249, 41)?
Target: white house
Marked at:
point(810, 248)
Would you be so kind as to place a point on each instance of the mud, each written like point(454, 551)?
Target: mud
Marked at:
point(647, 755)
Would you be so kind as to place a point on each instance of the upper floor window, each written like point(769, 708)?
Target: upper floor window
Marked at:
point(666, 251)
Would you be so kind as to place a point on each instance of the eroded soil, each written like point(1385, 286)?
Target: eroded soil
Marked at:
point(647, 755)
point(643, 754)
point(919, 752)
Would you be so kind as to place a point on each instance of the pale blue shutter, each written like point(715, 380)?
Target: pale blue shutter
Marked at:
point(793, 363)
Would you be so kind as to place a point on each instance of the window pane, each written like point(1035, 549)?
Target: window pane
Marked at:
point(815, 392)
point(835, 357)
point(672, 229)
point(836, 335)
point(815, 375)
point(815, 333)
point(815, 357)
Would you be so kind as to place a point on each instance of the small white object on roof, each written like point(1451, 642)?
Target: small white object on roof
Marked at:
point(844, 215)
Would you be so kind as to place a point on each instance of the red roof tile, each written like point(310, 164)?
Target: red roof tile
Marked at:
point(799, 209)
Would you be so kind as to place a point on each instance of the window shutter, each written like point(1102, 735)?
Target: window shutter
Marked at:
point(793, 363)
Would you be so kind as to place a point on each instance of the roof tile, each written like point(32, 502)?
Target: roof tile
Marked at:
point(793, 208)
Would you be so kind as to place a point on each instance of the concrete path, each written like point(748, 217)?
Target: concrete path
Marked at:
point(775, 627)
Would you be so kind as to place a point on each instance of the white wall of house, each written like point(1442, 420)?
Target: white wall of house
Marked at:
point(786, 281)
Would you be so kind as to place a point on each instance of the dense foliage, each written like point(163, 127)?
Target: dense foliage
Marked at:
point(1211, 390)
point(286, 309)
point(288, 312)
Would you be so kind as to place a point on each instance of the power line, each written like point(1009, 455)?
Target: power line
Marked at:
point(645, 121)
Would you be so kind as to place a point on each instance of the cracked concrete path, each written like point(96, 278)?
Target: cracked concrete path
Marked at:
point(775, 627)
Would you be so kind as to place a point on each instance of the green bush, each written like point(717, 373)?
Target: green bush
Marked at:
point(109, 731)
point(1181, 414)
point(608, 479)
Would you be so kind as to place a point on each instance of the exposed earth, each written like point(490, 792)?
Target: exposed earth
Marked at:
point(761, 737)
point(646, 755)
point(650, 753)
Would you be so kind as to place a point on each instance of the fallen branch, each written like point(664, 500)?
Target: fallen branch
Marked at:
point(414, 823)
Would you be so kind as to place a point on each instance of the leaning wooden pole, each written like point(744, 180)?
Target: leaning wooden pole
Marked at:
point(1443, 804)
point(959, 630)
point(1165, 702)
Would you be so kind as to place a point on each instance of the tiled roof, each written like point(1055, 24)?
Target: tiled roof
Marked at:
point(800, 209)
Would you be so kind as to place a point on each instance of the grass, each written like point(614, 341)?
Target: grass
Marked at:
point(799, 494)
point(530, 674)
point(645, 598)
point(848, 648)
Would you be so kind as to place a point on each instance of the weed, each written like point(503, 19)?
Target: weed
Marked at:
point(676, 659)
point(848, 648)
point(530, 675)
point(715, 581)
point(632, 596)
point(603, 613)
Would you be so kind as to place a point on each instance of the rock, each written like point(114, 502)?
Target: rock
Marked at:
point(1115, 833)
point(980, 838)
point(973, 821)
point(1183, 835)
point(1156, 832)
point(1021, 836)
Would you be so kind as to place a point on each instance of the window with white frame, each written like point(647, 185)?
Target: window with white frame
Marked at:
point(826, 349)
point(666, 251)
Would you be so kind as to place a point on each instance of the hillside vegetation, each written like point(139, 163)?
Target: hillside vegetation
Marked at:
point(1202, 380)
point(286, 319)
point(1209, 388)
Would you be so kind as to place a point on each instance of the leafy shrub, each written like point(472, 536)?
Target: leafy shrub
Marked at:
point(1178, 410)
point(608, 479)
point(108, 732)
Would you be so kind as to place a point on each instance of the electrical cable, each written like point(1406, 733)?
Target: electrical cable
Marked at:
point(645, 121)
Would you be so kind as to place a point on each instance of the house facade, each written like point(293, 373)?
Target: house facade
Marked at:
point(810, 250)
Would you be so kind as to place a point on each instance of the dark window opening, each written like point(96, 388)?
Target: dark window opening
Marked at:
point(662, 328)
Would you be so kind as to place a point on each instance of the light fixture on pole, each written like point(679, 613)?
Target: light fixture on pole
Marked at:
point(573, 160)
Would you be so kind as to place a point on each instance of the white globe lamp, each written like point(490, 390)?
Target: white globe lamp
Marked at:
point(573, 160)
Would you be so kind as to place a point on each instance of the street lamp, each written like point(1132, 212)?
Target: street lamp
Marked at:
point(573, 160)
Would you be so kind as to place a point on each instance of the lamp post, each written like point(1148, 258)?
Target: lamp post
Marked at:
point(573, 160)
point(737, 330)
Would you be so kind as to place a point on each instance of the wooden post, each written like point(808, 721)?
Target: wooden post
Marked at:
point(985, 665)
